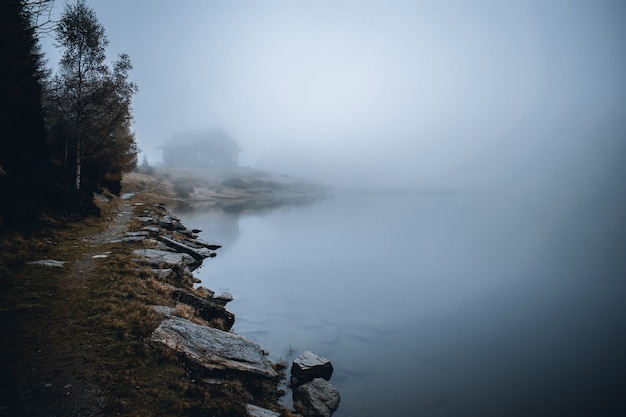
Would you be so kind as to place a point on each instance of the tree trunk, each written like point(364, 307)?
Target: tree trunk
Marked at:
point(78, 165)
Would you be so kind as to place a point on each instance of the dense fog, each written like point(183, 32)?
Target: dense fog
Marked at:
point(426, 93)
point(495, 287)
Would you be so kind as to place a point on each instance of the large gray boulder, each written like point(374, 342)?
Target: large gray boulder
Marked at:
point(162, 259)
point(309, 366)
point(212, 348)
point(317, 398)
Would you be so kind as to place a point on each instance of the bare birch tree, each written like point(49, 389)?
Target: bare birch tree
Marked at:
point(89, 105)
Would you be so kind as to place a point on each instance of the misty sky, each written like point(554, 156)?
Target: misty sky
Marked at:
point(415, 91)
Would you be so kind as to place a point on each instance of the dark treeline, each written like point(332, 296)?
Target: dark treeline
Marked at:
point(66, 135)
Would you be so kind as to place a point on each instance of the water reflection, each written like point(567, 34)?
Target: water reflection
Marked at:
point(219, 223)
point(434, 305)
point(219, 226)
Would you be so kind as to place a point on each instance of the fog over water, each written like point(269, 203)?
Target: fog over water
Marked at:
point(430, 304)
point(496, 286)
point(419, 92)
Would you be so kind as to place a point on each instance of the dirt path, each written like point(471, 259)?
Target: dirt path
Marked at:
point(48, 365)
point(117, 225)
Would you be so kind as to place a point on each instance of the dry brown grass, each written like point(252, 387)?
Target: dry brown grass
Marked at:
point(89, 323)
point(154, 189)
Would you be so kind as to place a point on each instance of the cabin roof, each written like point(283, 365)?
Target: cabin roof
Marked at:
point(214, 138)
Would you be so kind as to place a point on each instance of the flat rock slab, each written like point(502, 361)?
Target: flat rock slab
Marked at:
point(48, 262)
point(145, 219)
point(207, 309)
point(309, 366)
point(164, 310)
point(132, 239)
point(152, 229)
point(318, 398)
point(162, 274)
point(212, 348)
point(164, 259)
point(197, 253)
point(140, 233)
point(202, 243)
point(256, 411)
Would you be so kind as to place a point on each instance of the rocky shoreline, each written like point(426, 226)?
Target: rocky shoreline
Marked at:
point(172, 253)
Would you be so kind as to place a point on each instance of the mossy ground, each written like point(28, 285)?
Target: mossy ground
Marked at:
point(75, 340)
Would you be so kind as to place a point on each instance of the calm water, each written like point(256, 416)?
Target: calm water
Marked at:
point(436, 304)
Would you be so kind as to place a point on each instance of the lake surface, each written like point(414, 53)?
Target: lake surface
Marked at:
point(436, 304)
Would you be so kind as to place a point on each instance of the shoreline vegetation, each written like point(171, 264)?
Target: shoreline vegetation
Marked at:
point(78, 333)
point(237, 190)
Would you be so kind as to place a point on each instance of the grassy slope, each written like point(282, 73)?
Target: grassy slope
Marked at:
point(74, 339)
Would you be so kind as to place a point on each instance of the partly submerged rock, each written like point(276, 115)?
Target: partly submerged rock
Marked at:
point(223, 298)
point(225, 295)
point(201, 243)
point(212, 348)
point(317, 398)
point(256, 411)
point(309, 366)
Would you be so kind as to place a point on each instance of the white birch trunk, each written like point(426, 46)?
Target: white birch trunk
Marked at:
point(78, 165)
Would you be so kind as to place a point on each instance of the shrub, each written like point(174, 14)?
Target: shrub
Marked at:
point(183, 188)
point(234, 183)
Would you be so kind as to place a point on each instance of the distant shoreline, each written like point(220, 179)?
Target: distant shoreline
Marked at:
point(234, 191)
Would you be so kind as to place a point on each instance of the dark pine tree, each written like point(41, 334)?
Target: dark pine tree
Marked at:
point(29, 182)
point(23, 149)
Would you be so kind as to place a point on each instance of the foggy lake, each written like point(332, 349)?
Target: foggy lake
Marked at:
point(472, 259)
point(440, 303)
